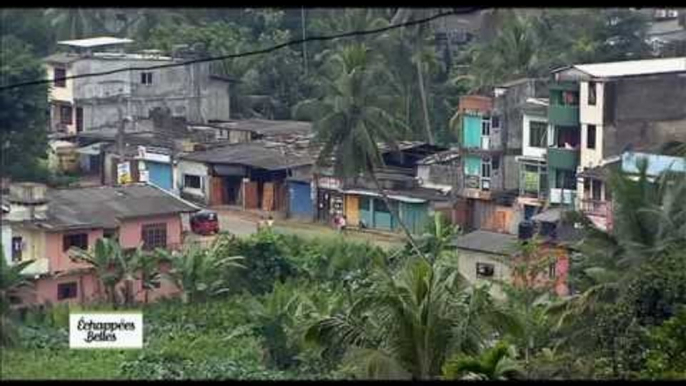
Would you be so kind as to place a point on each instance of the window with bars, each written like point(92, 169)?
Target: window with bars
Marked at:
point(485, 168)
point(66, 114)
point(191, 181)
point(538, 134)
point(17, 248)
point(146, 78)
point(78, 240)
point(67, 290)
point(486, 126)
point(154, 236)
point(59, 75)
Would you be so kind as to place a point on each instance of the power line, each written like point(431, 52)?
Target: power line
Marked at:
point(255, 52)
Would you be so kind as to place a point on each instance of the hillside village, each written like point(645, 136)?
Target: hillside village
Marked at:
point(150, 147)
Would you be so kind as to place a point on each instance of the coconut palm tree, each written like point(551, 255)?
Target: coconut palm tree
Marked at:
point(198, 272)
point(410, 322)
point(11, 280)
point(496, 363)
point(74, 23)
point(106, 259)
point(512, 54)
point(419, 55)
point(274, 316)
point(351, 120)
point(649, 219)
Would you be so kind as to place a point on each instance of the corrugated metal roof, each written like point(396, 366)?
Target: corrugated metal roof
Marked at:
point(488, 242)
point(94, 42)
point(254, 154)
point(267, 127)
point(634, 67)
point(105, 206)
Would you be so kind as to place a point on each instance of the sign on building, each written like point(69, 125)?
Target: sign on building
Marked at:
point(124, 173)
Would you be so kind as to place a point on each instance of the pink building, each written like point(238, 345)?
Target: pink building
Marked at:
point(46, 223)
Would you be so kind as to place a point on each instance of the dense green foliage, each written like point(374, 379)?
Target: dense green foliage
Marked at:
point(280, 307)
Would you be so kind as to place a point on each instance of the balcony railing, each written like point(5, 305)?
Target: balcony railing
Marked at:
point(562, 196)
point(596, 207)
point(561, 158)
point(563, 115)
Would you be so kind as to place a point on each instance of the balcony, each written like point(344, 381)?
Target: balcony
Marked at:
point(563, 115)
point(561, 158)
point(595, 208)
point(562, 196)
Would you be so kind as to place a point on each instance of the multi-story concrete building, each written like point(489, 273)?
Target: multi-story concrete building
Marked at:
point(90, 103)
point(490, 141)
point(599, 111)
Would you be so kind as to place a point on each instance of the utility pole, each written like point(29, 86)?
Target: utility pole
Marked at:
point(302, 22)
point(121, 128)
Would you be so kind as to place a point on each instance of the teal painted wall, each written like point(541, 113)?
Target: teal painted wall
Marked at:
point(366, 210)
point(471, 133)
point(472, 166)
point(382, 219)
point(414, 216)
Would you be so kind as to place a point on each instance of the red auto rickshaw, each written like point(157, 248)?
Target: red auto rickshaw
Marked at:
point(205, 222)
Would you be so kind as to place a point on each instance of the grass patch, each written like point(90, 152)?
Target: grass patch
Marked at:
point(62, 364)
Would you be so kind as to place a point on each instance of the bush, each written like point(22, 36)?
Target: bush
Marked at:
point(156, 367)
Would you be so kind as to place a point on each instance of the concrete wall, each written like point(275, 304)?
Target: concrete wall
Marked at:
point(33, 248)
point(130, 230)
point(198, 169)
point(645, 112)
point(467, 261)
point(65, 94)
point(59, 259)
point(529, 151)
point(495, 218)
point(589, 158)
point(187, 91)
point(591, 114)
point(89, 289)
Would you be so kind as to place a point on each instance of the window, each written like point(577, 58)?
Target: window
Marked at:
point(495, 163)
point(79, 240)
point(486, 126)
point(590, 137)
point(191, 181)
point(65, 114)
point(538, 134)
point(154, 236)
point(484, 270)
point(591, 93)
point(146, 78)
point(596, 188)
point(485, 168)
point(552, 270)
point(566, 180)
point(108, 234)
point(66, 290)
point(17, 247)
point(495, 121)
point(59, 75)
point(79, 119)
